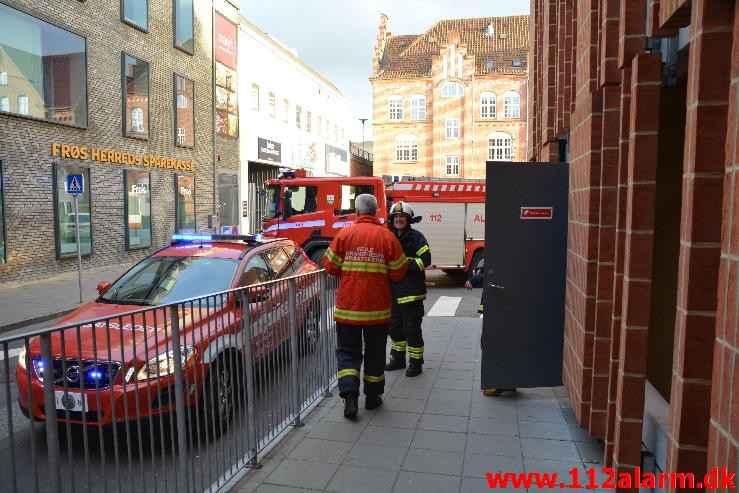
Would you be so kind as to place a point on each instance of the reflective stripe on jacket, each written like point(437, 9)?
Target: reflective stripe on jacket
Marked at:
point(365, 255)
point(413, 285)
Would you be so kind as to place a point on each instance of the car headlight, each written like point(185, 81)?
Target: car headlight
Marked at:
point(22, 359)
point(164, 364)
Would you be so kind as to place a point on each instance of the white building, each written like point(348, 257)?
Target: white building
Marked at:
point(290, 117)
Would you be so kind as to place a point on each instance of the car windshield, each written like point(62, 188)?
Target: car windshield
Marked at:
point(273, 202)
point(162, 280)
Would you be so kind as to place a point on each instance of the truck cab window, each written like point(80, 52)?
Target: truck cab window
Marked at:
point(349, 194)
point(303, 199)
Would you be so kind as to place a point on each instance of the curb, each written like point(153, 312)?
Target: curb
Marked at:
point(32, 321)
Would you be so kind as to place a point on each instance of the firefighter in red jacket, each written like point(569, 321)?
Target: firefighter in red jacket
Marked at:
point(366, 255)
point(408, 293)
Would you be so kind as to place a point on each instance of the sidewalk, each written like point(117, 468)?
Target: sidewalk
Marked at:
point(30, 302)
point(434, 433)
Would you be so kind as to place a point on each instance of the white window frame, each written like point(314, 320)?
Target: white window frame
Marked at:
point(285, 110)
point(418, 107)
point(4, 103)
point(181, 101)
point(271, 104)
point(451, 165)
point(395, 108)
point(500, 147)
point(137, 120)
point(487, 105)
point(406, 147)
point(452, 90)
point(452, 128)
point(512, 105)
point(180, 136)
point(255, 97)
point(3, 78)
point(22, 104)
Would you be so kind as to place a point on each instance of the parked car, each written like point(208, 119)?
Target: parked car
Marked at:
point(122, 366)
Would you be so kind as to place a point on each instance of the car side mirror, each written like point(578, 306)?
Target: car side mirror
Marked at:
point(103, 287)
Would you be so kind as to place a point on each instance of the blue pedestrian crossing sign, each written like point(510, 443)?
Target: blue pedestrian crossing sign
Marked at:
point(75, 184)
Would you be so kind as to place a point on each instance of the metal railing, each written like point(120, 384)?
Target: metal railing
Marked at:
point(180, 397)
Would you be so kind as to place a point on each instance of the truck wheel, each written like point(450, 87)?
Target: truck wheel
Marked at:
point(317, 256)
point(476, 258)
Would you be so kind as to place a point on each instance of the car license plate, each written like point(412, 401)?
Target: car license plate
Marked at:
point(70, 401)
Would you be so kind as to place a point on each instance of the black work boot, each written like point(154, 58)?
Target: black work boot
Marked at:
point(414, 369)
point(372, 401)
point(396, 363)
point(351, 406)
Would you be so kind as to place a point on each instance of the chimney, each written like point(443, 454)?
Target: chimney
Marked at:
point(382, 37)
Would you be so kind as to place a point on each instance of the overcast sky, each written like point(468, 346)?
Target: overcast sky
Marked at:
point(337, 37)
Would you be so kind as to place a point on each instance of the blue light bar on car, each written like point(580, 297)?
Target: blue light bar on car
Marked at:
point(180, 238)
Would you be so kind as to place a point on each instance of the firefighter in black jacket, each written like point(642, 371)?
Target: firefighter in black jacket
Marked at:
point(408, 293)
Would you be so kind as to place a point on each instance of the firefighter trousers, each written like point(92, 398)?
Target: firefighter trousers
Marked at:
point(349, 358)
point(405, 330)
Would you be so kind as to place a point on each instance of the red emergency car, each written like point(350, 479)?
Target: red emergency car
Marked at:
point(122, 365)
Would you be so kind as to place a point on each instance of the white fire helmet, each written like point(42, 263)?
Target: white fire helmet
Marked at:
point(401, 207)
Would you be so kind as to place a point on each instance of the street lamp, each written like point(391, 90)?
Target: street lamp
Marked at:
point(362, 120)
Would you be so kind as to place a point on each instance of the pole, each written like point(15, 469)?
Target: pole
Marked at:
point(362, 120)
point(77, 239)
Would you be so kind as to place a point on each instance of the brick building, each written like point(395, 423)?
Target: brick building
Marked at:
point(641, 98)
point(120, 92)
point(449, 99)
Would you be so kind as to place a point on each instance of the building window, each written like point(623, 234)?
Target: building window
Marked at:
point(500, 147)
point(271, 104)
point(319, 125)
point(336, 133)
point(47, 65)
point(298, 115)
point(512, 108)
point(395, 108)
point(418, 107)
point(65, 225)
point(452, 89)
point(138, 209)
point(452, 128)
point(183, 26)
point(487, 105)
point(185, 205)
point(185, 114)
point(255, 97)
point(136, 13)
point(285, 110)
point(135, 97)
point(406, 148)
point(4, 103)
point(23, 105)
point(452, 165)
point(308, 123)
point(3, 255)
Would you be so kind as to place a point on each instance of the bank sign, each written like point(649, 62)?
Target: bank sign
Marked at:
point(269, 150)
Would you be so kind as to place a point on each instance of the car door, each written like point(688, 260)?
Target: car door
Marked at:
point(260, 301)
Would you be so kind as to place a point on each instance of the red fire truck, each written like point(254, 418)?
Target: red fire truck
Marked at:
point(311, 210)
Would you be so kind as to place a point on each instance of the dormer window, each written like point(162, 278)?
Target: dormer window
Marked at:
point(489, 64)
point(516, 63)
point(490, 30)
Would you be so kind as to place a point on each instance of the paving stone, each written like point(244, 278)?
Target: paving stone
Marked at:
point(493, 426)
point(439, 422)
point(346, 431)
point(544, 429)
point(302, 474)
point(439, 440)
point(426, 483)
point(438, 461)
point(356, 479)
point(321, 450)
point(494, 445)
point(540, 448)
point(477, 465)
point(376, 456)
point(395, 419)
point(383, 435)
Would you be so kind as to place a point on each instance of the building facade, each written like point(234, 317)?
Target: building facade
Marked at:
point(446, 101)
point(291, 117)
point(121, 94)
point(641, 98)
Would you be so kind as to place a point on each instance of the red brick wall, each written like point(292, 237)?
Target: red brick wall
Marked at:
point(606, 96)
point(724, 425)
